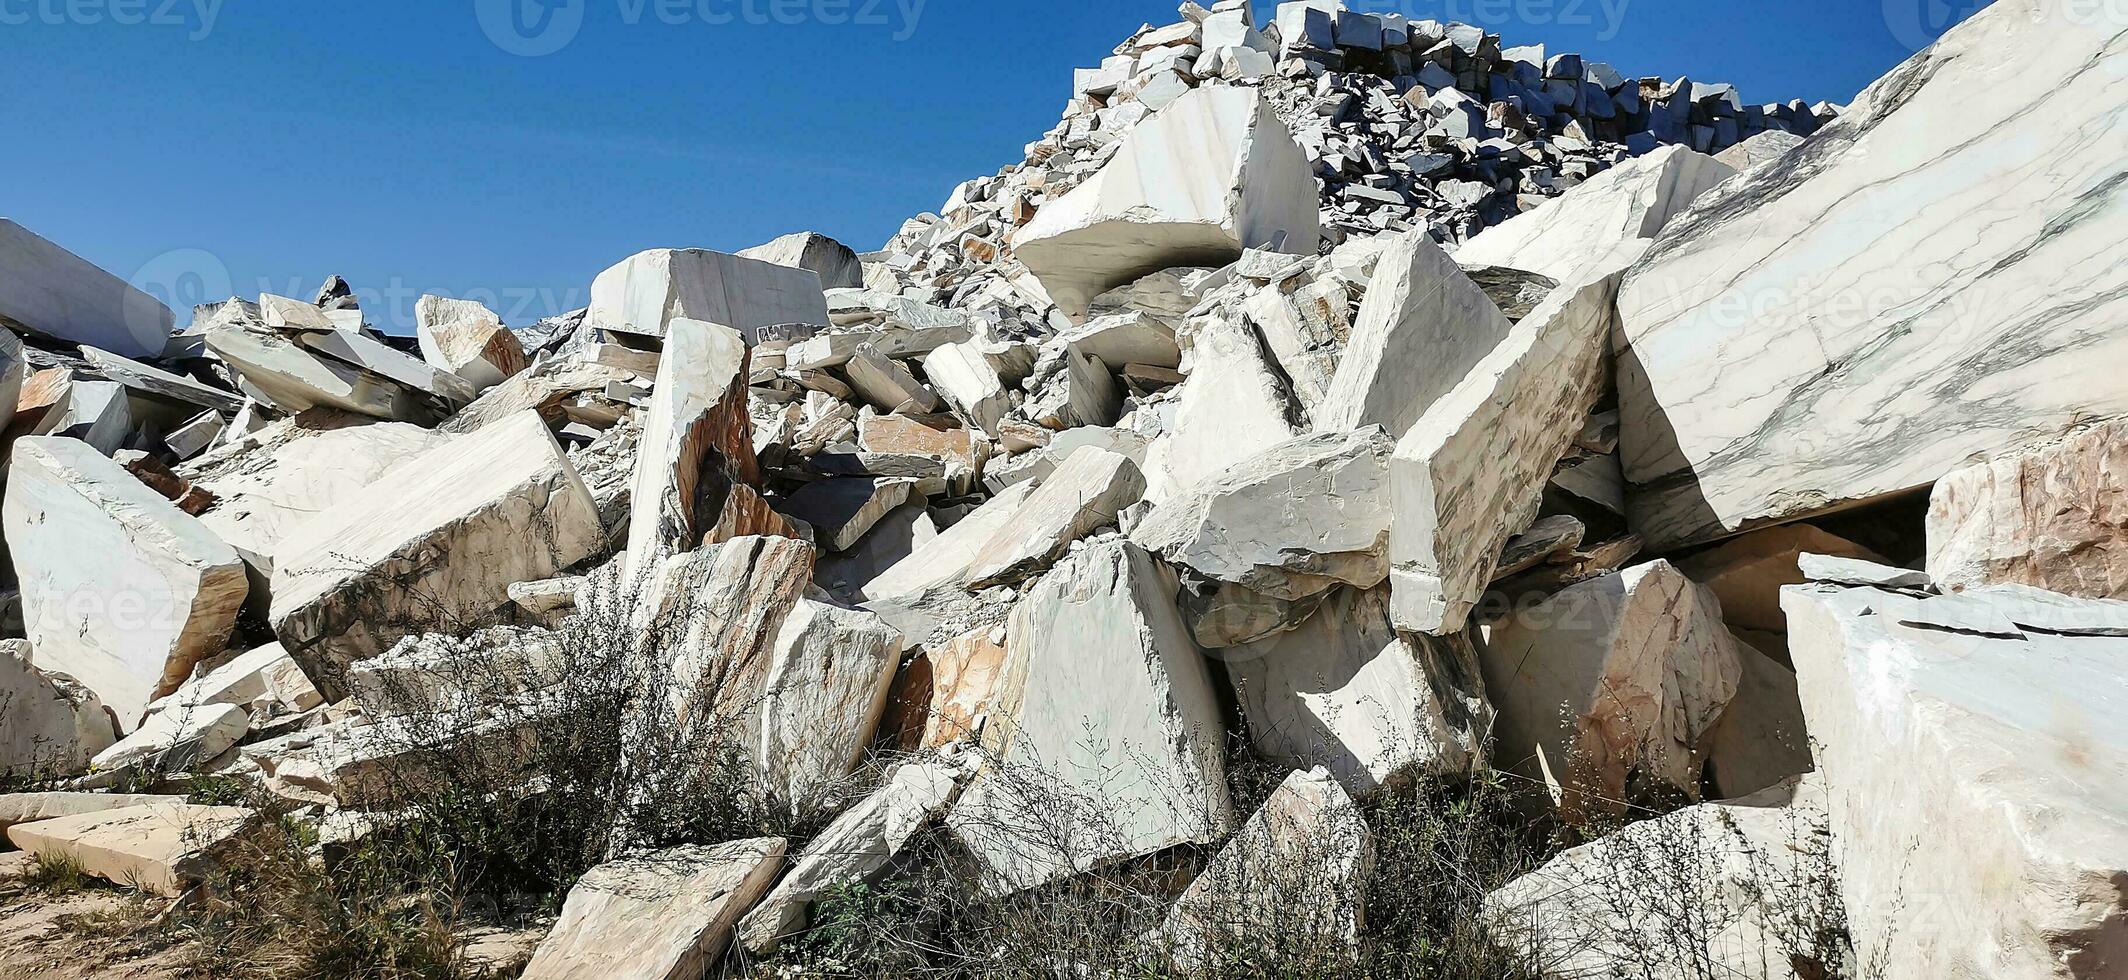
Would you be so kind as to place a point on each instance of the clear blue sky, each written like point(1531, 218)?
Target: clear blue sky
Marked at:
point(268, 143)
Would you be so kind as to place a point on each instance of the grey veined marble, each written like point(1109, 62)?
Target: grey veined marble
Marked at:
point(1937, 274)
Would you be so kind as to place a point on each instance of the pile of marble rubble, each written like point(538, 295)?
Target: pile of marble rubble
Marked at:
point(1454, 409)
point(1402, 125)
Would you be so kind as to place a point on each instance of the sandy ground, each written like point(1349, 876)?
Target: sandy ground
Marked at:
point(89, 935)
point(59, 938)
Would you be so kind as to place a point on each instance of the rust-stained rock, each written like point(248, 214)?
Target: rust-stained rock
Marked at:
point(2054, 517)
point(1747, 573)
point(697, 444)
point(942, 695)
point(467, 339)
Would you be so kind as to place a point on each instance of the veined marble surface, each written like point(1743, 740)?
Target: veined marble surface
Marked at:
point(1935, 275)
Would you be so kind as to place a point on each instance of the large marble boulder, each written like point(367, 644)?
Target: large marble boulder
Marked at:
point(157, 390)
point(660, 916)
point(1619, 676)
point(1232, 404)
point(2054, 516)
point(545, 388)
point(835, 263)
point(292, 378)
point(968, 381)
point(159, 848)
point(1293, 521)
point(1975, 774)
point(1294, 874)
point(467, 339)
point(293, 470)
point(1631, 201)
point(1916, 285)
point(822, 697)
point(946, 559)
point(1346, 691)
point(34, 806)
point(1471, 472)
point(1213, 173)
point(434, 544)
point(51, 724)
point(1422, 327)
point(264, 680)
point(176, 741)
point(1081, 497)
point(697, 443)
point(717, 614)
point(47, 290)
point(121, 590)
point(648, 290)
point(1105, 739)
point(1740, 889)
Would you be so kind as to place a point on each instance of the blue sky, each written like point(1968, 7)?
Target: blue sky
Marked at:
point(217, 146)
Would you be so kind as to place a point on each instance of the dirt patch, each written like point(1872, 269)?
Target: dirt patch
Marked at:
point(85, 935)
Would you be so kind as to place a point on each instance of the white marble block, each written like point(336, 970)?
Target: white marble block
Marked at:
point(648, 290)
point(1213, 173)
point(1934, 275)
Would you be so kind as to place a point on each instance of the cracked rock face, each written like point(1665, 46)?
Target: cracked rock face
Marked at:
point(1104, 698)
point(697, 442)
point(1470, 473)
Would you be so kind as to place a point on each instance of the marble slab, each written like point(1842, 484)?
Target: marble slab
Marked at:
point(1935, 275)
